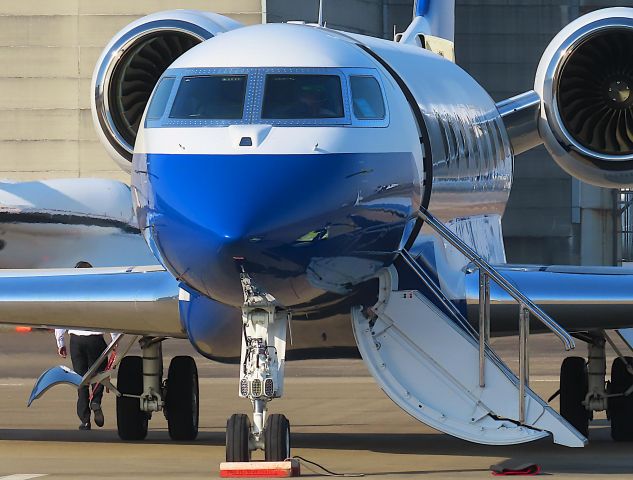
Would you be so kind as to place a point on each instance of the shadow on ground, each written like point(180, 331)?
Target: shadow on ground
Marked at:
point(600, 456)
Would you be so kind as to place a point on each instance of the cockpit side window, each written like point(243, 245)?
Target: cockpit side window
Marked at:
point(210, 97)
point(367, 99)
point(161, 97)
point(302, 96)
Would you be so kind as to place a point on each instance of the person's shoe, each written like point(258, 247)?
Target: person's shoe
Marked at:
point(84, 426)
point(98, 413)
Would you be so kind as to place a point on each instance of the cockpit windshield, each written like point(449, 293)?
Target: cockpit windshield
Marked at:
point(277, 96)
point(302, 96)
point(161, 97)
point(210, 97)
point(367, 98)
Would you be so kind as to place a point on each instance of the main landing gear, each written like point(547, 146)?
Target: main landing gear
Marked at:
point(584, 389)
point(141, 392)
point(261, 379)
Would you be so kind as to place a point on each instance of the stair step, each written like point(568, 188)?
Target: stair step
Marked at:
point(429, 366)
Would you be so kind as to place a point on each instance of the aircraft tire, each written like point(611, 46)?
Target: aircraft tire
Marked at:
point(181, 401)
point(130, 419)
point(573, 390)
point(238, 429)
point(277, 438)
point(621, 408)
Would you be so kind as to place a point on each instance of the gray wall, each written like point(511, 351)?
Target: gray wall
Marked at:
point(369, 17)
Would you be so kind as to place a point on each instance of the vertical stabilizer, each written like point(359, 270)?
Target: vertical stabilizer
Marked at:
point(431, 17)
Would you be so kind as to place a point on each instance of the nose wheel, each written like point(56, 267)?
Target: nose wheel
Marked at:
point(277, 438)
point(238, 431)
point(240, 438)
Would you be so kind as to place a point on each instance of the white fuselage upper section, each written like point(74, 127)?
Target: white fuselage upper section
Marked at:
point(465, 139)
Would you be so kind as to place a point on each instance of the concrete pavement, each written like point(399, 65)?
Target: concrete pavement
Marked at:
point(339, 418)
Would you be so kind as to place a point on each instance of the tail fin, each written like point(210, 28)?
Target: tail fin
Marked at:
point(421, 7)
point(431, 17)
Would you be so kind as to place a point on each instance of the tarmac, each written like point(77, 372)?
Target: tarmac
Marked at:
point(339, 419)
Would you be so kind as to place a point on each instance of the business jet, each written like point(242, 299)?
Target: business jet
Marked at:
point(308, 192)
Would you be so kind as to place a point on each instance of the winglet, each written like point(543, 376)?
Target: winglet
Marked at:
point(51, 377)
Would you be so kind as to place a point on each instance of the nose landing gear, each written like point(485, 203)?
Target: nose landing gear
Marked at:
point(261, 379)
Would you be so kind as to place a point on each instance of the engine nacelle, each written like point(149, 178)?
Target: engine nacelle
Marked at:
point(131, 64)
point(585, 82)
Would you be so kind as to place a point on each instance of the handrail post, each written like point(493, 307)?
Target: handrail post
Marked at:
point(524, 360)
point(499, 279)
point(484, 323)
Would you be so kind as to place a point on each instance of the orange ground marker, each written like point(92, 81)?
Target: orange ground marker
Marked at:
point(23, 329)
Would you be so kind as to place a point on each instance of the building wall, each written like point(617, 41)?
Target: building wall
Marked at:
point(48, 50)
point(368, 17)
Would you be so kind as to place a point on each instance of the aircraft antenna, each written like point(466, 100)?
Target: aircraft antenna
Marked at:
point(320, 13)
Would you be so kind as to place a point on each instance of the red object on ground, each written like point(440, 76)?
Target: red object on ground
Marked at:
point(526, 469)
point(23, 329)
point(287, 468)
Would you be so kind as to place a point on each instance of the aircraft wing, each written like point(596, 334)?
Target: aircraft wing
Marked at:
point(56, 223)
point(579, 298)
point(134, 300)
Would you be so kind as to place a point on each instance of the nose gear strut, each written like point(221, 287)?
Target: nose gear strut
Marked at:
point(262, 365)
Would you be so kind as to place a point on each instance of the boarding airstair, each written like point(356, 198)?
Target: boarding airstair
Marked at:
point(432, 363)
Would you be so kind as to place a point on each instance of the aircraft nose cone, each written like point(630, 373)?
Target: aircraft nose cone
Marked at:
point(213, 216)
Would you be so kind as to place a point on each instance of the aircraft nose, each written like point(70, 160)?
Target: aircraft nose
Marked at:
point(214, 216)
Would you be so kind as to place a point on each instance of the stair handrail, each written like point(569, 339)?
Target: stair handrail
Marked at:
point(499, 279)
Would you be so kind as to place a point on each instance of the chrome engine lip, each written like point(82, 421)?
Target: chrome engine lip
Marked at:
point(103, 76)
point(552, 79)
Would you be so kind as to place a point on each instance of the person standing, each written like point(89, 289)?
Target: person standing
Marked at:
point(85, 348)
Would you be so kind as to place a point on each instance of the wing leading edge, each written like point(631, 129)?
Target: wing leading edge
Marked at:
point(579, 298)
point(134, 300)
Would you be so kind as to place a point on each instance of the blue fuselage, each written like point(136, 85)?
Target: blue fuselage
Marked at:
point(302, 226)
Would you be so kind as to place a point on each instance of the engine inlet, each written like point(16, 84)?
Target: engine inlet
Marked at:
point(594, 95)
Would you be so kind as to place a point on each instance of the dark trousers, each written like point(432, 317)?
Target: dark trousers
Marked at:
point(84, 351)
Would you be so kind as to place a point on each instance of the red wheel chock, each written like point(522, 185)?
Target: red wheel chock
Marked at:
point(287, 468)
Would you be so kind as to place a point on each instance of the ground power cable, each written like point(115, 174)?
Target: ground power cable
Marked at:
point(328, 473)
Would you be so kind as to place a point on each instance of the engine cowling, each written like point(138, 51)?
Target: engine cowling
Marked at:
point(585, 82)
point(130, 66)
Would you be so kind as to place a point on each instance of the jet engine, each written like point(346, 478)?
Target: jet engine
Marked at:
point(585, 83)
point(130, 66)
